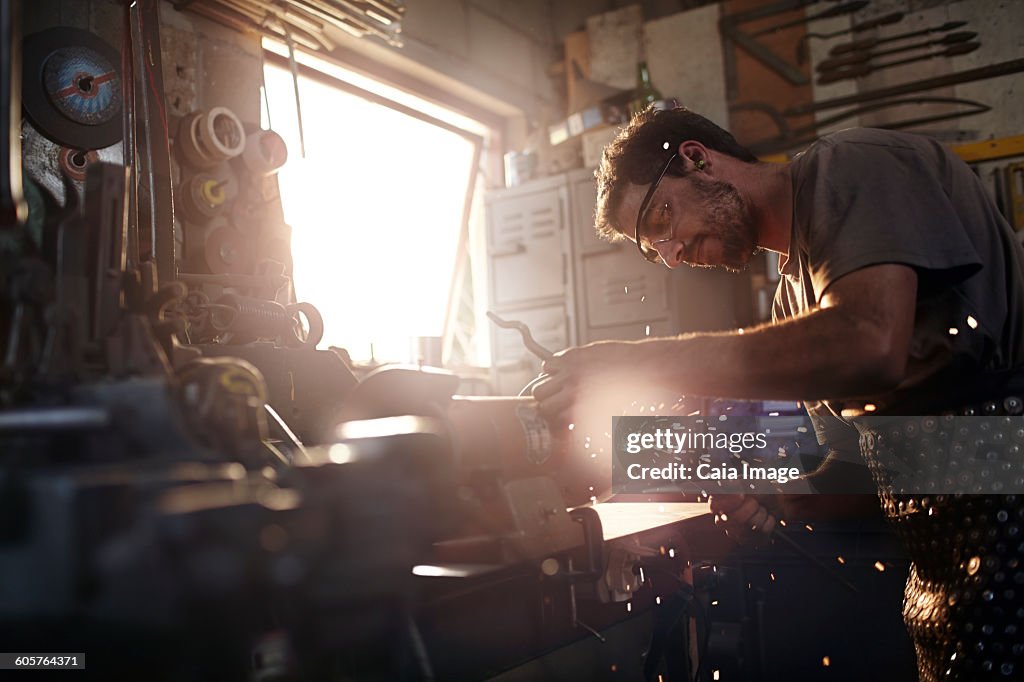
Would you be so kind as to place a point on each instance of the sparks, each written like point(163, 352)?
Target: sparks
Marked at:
point(772, 576)
point(572, 426)
point(971, 322)
point(809, 527)
point(826, 661)
point(840, 559)
point(879, 566)
point(953, 331)
point(870, 407)
point(657, 600)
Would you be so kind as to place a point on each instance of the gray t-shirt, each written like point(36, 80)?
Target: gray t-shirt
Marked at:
point(866, 197)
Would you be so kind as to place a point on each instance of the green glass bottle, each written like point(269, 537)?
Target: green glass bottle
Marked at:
point(646, 93)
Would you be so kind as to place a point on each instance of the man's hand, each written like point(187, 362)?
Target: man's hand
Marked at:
point(742, 517)
point(607, 374)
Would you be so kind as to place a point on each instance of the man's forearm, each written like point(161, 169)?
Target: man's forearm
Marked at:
point(822, 354)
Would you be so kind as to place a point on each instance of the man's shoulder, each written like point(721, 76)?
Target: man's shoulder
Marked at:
point(852, 138)
point(859, 151)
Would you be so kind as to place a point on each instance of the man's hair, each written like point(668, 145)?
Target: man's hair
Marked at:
point(640, 152)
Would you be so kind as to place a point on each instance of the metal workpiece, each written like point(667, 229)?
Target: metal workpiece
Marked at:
point(528, 340)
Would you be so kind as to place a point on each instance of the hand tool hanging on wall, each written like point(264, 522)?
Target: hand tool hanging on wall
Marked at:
point(865, 69)
point(835, 11)
point(728, 27)
point(868, 43)
point(854, 58)
point(861, 102)
point(884, 20)
point(791, 138)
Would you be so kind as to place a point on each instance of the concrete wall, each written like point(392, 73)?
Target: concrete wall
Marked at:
point(207, 65)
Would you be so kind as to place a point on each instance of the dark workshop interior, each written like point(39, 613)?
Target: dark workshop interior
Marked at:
point(283, 286)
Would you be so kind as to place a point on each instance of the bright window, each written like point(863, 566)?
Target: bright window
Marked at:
point(376, 209)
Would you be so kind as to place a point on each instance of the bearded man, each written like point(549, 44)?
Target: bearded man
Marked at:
point(901, 293)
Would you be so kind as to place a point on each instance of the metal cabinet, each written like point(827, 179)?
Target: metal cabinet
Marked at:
point(619, 295)
point(529, 275)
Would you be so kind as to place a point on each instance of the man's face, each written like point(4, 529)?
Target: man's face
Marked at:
point(707, 222)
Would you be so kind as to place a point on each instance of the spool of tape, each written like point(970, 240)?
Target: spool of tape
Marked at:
point(187, 142)
point(221, 134)
point(265, 153)
point(209, 138)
